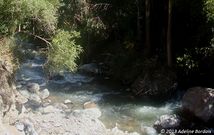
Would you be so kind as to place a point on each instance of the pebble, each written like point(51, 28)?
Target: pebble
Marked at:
point(89, 104)
point(67, 101)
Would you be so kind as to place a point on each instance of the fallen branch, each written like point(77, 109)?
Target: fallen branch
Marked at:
point(142, 82)
point(39, 37)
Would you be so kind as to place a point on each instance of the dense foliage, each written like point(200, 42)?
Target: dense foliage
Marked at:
point(64, 51)
point(29, 15)
point(124, 35)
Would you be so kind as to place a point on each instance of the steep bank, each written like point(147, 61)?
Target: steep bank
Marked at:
point(8, 94)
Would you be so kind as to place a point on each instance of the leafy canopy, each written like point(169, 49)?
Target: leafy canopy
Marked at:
point(23, 12)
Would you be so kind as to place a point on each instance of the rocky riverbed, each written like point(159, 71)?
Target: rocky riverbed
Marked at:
point(77, 104)
point(39, 116)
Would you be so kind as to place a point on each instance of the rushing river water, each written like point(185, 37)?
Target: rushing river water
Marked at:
point(118, 108)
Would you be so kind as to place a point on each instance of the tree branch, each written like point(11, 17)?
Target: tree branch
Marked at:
point(36, 36)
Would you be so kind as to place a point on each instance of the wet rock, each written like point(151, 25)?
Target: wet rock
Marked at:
point(90, 68)
point(33, 87)
point(44, 94)
point(167, 122)
point(56, 77)
point(89, 104)
point(67, 101)
point(199, 102)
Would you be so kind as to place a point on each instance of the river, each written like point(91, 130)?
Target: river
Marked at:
point(117, 107)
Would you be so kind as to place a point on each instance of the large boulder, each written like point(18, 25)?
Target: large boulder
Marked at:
point(199, 101)
point(167, 122)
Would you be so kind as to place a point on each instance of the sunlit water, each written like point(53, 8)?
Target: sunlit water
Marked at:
point(117, 106)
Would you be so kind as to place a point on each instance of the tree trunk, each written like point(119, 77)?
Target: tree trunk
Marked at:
point(147, 28)
point(169, 46)
point(139, 27)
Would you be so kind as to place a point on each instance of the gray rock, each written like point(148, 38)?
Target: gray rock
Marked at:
point(33, 87)
point(67, 101)
point(33, 98)
point(167, 122)
point(90, 68)
point(20, 126)
point(89, 104)
point(34, 101)
point(200, 102)
point(36, 98)
point(44, 94)
point(25, 93)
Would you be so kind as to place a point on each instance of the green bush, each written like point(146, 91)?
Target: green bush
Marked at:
point(41, 14)
point(63, 52)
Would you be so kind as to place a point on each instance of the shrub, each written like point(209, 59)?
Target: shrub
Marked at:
point(63, 52)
